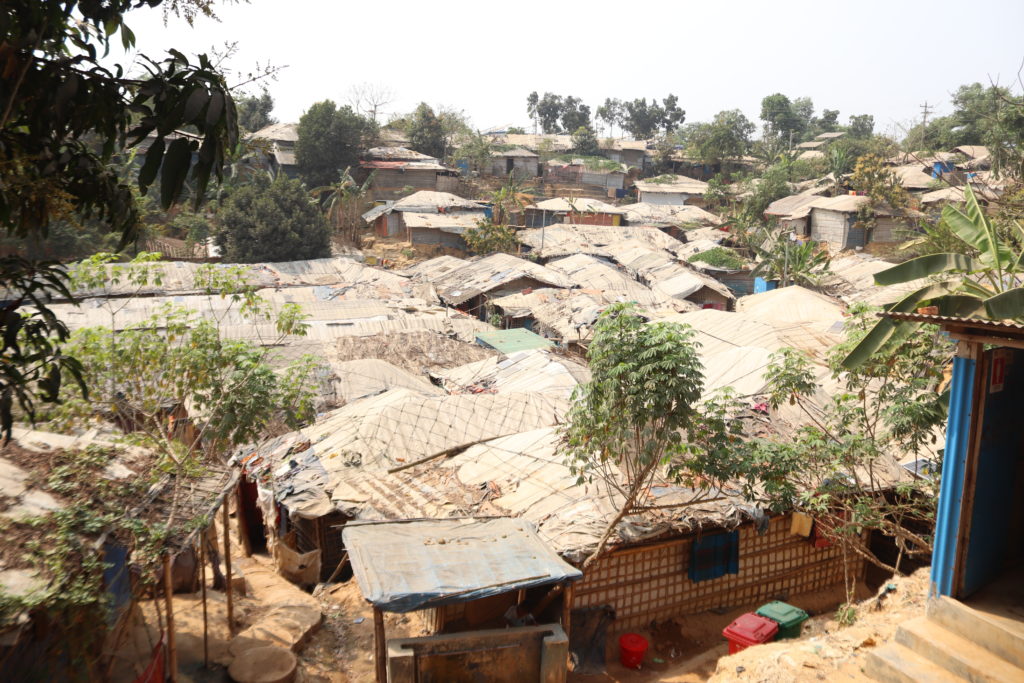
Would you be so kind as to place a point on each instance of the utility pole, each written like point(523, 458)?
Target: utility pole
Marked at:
point(925, 109)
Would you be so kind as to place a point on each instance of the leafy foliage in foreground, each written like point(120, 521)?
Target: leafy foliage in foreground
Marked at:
point(981, 278)
point(841, 467)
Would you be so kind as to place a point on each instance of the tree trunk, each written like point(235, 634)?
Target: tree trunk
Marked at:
point(623, 511)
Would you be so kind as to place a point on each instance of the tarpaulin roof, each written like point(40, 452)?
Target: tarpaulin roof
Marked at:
point(408, 565)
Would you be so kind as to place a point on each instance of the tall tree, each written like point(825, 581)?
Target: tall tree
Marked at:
point(255, 111)
point(862, 126)
point(726, 137)
point(584, 142)
point(369, 99)
point(784, 119)
point(643, 121)
point(64, 112)
point(272, 221)
point(548, 112)
point(626, 424)
point(330, 138)
point(426, 133)
point(575, 114)
point(611, 113)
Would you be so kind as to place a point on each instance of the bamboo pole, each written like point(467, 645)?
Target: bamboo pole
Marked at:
point(379, 648)
point(567, 607)
point(172, 651)
point(202, 579)
point(227, 571)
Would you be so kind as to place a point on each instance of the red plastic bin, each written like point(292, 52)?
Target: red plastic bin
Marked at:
point(749, 629)
point(632, 648)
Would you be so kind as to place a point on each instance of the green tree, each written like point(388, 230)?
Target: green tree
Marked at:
point(979, 278)
point(426, 134)
point(575, 114)
point(65, 112)
point(545, 111)
point(726, 137)
point(643, 121)
point(255, 112)
point(180, 358)
point(584, 142)
point(344, 203)
point(272, 221)
point(611, 113)
point(861, 126)
point(626, 425)
point(789, 262)
point(780, 118)
point(330, 139)
point(476, 149)
point(837, 467)
point(872, 177)
point(489, 238)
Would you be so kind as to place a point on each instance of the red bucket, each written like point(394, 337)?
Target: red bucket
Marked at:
point(632, 648)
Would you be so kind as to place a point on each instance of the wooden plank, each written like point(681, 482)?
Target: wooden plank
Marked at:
point(380, 654)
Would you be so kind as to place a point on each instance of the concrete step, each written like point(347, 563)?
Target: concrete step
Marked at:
point(963, 657)
point(999, 636)
point(894, 663)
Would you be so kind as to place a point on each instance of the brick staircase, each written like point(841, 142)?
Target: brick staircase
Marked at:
point(953, 642)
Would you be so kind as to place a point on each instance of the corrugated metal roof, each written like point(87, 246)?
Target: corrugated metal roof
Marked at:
point(976, 323)
point(456, 223)
point(831, 136)
point(517, 153)
point(511, 341)
point(561, 239)
point(667, 214)
point(396, 154)
point(410, 565)
point(793, 203)
point(814, 144)
point(535, 370)
point(424, 199)
point(285, 132)
point(434, 268)
point(576, 205)
point(491, 273)
point(663, 273)
point(791, 304)
point(679, 184)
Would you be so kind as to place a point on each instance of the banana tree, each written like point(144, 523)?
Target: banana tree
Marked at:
point(344, 202)
point(790, 262)
point(983, 279)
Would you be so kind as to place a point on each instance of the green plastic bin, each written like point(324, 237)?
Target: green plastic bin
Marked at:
point(789, 618)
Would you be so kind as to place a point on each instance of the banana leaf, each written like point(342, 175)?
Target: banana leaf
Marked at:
point(884, 329)
point(1008, 305)
point(974, 228)
point(923, 266)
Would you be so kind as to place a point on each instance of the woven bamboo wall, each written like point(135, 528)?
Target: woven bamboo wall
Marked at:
point(650, 583)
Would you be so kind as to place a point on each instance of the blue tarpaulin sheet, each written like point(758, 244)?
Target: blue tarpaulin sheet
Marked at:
point(715, 556)
point(411, 565)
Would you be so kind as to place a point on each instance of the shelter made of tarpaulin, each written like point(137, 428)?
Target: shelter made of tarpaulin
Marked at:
point(409, 565)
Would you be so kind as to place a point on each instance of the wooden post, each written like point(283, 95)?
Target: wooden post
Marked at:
point(227, 571)
point(567, 607)
point(202, 580)
point(243, 526)
point(172, 651)
point(379, 646)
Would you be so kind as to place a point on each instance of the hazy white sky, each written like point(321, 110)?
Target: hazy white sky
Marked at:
point(881, 58)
